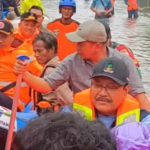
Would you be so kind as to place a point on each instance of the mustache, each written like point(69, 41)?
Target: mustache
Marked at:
point(103, 99)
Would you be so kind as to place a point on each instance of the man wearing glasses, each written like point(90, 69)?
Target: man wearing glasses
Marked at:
point(107, 99)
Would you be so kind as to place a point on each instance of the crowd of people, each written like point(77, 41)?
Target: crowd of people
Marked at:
point(72, 67)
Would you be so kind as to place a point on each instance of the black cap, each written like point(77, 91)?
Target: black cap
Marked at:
point(113, 68)
point(29, 16)
point(6, 27)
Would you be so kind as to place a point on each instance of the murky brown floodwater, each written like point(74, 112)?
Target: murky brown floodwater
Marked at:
point(135, 34)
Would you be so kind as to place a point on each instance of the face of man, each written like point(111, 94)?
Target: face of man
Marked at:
point(42, 54)
point(39, 15)
point(107, 95)
point(88, 50)
point(27, 28)
point(67, 12)
point(5, 40)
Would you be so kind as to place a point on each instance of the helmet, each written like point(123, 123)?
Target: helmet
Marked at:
point(70, 3)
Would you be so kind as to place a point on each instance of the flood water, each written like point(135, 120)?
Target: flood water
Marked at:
point(133, 33)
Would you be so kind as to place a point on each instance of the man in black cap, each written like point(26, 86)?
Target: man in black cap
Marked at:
point(108, 99)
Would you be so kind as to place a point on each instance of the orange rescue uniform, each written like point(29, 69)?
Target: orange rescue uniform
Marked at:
point(24, 43)
point(7, 75)
point(132, 5)
point(65, 47)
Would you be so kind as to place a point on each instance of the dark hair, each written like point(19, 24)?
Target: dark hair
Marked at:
point(64, 131)
point(49, 39)
point(36, 7)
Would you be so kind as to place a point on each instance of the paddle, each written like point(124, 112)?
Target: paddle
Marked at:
point(14, 107)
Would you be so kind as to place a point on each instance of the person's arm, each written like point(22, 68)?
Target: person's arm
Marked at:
point(37, 83)
point(98, 12)
point(50, 82)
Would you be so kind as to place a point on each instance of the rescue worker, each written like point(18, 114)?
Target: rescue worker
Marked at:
point(133, 8)
point(8, 57)
point(26, 32)
point(107, 100)
point(102, 8)
point(91, 39)
point(64, 25)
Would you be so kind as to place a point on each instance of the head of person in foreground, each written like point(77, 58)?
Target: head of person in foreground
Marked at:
point(64, 131)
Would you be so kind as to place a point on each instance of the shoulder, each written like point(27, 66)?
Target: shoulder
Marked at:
point(71, 62)
point(54, 22)
point(76, 22)
point(115, 53)
point(73, 58)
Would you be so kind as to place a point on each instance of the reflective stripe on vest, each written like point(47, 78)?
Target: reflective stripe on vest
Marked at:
point(3, 84)
point(129, 111)
point(131, 116)
point(84, 111)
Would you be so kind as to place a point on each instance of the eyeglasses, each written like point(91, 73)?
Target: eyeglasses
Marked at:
point(108, 88)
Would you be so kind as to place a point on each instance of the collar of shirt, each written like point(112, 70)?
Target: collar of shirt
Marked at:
point(108, 121)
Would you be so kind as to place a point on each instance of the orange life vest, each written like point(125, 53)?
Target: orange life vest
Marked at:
point(122, 48)
point(25, 43)
point(132, 5)
point(7, 75)
point(127, 112)
point(65, 47)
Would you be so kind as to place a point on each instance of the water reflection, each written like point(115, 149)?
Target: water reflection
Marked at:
point(133, 33)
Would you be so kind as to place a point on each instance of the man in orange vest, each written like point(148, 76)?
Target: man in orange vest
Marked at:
point(26, 32)
point(133, 8)
point(8, 56)
point(64, 25)
point(108, 99)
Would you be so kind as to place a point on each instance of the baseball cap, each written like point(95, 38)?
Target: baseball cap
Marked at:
point(28, 16)
point(6, 27)
point(113, 68)
point(93, 31)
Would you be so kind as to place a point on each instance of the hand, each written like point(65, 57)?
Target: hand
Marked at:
point(108, 13)
point(21, 66)
point(99, 14)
